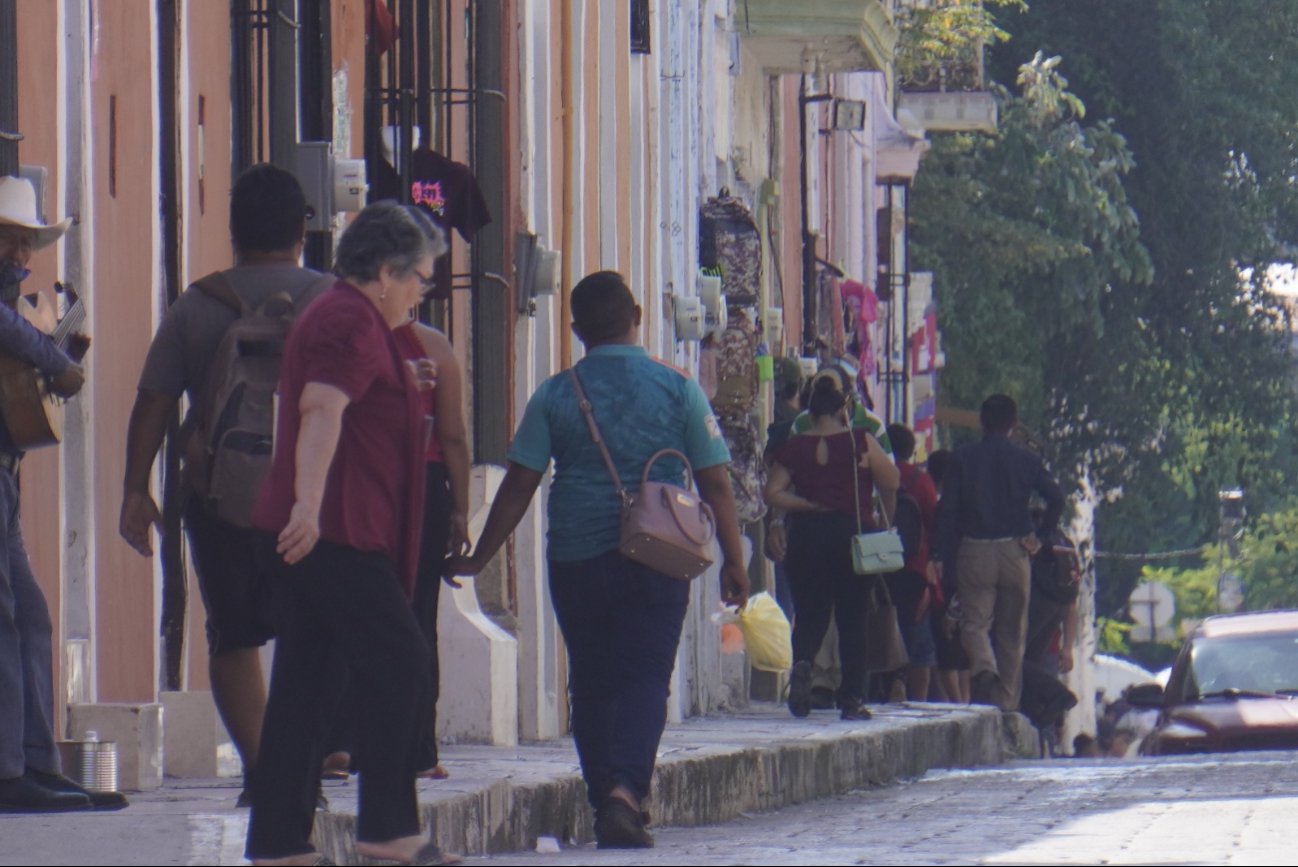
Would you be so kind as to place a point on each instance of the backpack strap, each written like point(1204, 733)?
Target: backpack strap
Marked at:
point(217, 287)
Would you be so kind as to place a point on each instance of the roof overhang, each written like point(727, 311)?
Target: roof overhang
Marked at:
point(817, 35)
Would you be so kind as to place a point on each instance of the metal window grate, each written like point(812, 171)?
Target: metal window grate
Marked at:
point(640, 38)
point(9, 134)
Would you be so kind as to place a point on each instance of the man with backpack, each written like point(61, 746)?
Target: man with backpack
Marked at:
point(220, 343)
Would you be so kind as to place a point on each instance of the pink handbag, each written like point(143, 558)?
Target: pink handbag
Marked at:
point(664, 526)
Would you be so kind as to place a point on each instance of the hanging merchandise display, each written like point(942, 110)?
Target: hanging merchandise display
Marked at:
point(730, 242)
point(829, 312)
point(446, 190)
point(747, 469)
point(736, 366)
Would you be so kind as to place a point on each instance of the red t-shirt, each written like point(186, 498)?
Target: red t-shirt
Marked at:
point(413, 350)
point(373, 498)
point(919, 485)
point(831, 484)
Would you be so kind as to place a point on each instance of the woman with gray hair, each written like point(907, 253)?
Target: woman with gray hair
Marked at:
point(342, 510)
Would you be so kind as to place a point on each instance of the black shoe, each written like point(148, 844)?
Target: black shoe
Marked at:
point(60, 783)
point(800, 689)
point(618, 825)
point(822, 698)
point(853, 709)
point(25, 795)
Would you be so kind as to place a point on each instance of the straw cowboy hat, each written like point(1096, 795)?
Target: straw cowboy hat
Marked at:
point(18, 208)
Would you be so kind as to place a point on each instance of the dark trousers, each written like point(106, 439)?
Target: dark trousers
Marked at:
point(26, 652)
point(428, 587)
point(341, 616)
point(819, 564)
point(621, 622)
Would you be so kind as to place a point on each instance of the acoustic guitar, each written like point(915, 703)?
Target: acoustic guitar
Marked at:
point(32, 411)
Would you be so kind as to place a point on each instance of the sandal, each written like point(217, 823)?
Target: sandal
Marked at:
point(436, 772)
point(429, 853)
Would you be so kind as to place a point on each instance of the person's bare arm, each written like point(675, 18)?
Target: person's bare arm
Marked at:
point(144, 434)
point(886, 476)
point(449, 428)
point(321, 407)
point(779, 492)
point(507, 509)
point(714, 488)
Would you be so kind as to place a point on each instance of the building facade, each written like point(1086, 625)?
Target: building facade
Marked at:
point(599, 134)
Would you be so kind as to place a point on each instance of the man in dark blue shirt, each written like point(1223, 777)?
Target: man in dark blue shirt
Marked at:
point(986, 524)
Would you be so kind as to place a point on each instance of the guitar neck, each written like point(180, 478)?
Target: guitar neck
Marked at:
point(72, 321)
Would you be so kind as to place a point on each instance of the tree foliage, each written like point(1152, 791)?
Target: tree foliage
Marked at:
point(1167, 372)
point(1028, 231)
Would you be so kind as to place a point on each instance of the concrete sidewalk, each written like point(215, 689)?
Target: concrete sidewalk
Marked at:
point(503, 799)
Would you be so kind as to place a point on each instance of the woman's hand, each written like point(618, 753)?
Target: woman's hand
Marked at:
point(459, 543)
point(299, 536)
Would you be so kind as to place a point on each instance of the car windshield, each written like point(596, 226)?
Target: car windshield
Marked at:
point(1261, 663)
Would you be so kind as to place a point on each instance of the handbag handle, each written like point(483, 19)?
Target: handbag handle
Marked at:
point(710, 529)
point(689, 468)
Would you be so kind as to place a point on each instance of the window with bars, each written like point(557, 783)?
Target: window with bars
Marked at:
point(640, 27)
point(9, 135)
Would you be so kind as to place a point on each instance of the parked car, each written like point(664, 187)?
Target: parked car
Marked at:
point(1234, 686)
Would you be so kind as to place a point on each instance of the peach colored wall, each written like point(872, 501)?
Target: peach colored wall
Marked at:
point(126, 250)
point(38, 87)
point(590, 168)
point(790, 222)
point(347, 23)
point(625, 227)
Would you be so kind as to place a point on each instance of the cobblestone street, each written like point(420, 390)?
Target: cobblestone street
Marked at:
point(1216, 810)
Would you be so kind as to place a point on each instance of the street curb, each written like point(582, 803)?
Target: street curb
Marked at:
point(713, 781)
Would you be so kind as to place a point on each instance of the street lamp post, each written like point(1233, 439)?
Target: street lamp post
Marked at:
point(1230, 527)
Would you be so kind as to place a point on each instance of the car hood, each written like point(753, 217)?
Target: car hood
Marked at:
point(1236, 715)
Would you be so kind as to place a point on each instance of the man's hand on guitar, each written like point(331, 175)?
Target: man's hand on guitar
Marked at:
point(69, 382)
point(78, 346)
point(139, 513)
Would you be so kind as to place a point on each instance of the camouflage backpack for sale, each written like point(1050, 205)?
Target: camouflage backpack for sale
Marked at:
point(730, 241)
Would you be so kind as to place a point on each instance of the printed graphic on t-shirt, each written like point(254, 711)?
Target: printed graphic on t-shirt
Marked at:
point(429, 194)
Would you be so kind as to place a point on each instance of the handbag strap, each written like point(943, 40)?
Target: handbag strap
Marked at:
point(588, 411)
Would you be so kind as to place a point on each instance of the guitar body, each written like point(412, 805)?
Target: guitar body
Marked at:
point(32, 412)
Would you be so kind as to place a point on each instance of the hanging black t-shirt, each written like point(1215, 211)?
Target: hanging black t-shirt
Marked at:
point(446, 190)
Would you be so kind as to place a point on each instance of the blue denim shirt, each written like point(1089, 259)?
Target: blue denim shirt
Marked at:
point(641, 405)
point(20, 339)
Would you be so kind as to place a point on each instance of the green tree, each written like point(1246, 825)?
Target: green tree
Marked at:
point(1028, 231)
point(1202, 91)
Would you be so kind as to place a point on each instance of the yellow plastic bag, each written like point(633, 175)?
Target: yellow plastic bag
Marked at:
point(767, 634)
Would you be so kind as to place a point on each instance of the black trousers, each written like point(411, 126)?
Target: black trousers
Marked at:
point(428, 588)
point(819, 563)
point(341, 616)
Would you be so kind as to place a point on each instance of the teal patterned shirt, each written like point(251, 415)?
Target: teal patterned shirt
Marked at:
point(641, 405)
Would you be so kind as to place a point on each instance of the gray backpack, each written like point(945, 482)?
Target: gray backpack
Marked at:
point(229, 453)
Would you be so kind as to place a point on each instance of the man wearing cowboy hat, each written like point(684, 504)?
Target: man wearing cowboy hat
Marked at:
point(30, 774)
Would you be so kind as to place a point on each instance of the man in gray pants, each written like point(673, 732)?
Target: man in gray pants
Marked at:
point(985, 521)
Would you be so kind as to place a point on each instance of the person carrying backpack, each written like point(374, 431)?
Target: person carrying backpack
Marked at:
point(220, 343)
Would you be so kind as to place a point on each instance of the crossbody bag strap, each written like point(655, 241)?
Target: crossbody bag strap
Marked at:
point(595, 436)
point(856, 482)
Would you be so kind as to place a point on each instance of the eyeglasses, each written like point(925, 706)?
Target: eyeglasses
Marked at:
point(426, 284)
